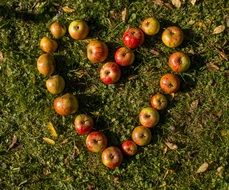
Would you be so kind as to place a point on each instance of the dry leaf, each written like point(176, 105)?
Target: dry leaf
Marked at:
point(124, 14)
point(176, 3)
point(193, 2)
point(221, 53)
point(155, 52)
point(219, 171)
point(67, 9)
point(158, 2)
point(49, 141)
point(212, 67)
point(52, 130)
point(165, 150)
point(219, 29)
point(194, 105)
point(14, 141)
point(202, 168)
point(171, 146)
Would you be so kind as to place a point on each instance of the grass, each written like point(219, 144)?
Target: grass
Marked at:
point(196, 120)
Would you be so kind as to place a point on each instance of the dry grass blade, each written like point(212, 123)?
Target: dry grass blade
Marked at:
point(14, 141)
point(221, 53)
point(203, 168)
point(68, 9)
point(1, 57)
point(124, 14)
point(158, 2)
point(49, 141)
point(171, 146)
point(52, 130)
point(219, 29)
point(176, 3)
point(194, 105)
point(193, 2)
point(212, 67)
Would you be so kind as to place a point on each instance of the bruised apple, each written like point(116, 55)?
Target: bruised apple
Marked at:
point(124, 56)
point(78, 29)
point(110, 73)
point(97, 51)
point(133, 37)
point(172, 36)
point(112, 157)
point(83, 124)
point(66, 104)
point(159, 101)
point(57, 29)
point(55, 84)
point(129, 147)
point(96, 141)
point(48, 45)
point(46, 64)
point(170, 83)
point(179, 62)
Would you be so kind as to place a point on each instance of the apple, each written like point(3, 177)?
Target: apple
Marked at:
point(124, 56)
point(149, 117)
point(57, 29)
point(78, 29)
point(150, 26)
point(48, 45)
point(141, 135)
point(55, 84)
point(112, 157)
point(133, 38)
point(110, 73)
point(179, 62)
point(96, 141)
point(97, 51)
point(159, 101)
point(170, 83)
point(66, 104)
point(172, 36)
point(46, 64)
point(83, 124)
point(129, 147)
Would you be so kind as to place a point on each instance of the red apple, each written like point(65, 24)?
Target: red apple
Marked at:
point(48, 45)
point(129, 147)
point(83, 124)
point(46, 64)
point(112, 157)
point(110, 73)
point(172, 36)
point(150, 26)
point(179, 62)
point(159, 101)
point(96, 141)
point(97, 51)
point(133, 37)
point(170, 83)
point(149, 117)
point(141, 135)
point(55, 84)
point(66, 104)
point(57, 29)
point(124, 56)
point(78, 29)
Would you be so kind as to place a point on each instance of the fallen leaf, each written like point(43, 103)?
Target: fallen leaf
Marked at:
point(171, 146)
point(64, 141)
point(169, 5)
point(219, 29)
point(14, 141)
point(49, 141)
point(158, 2)
point(193, 2)
point(221, 53)
point(176, 3)
point(212, 67)
point(219, 171)
point(68, 9)
point(202, 168)
point(52, 130)
point(124, 14)
point(194, 105)
point(155, 52)
point(165, 150)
